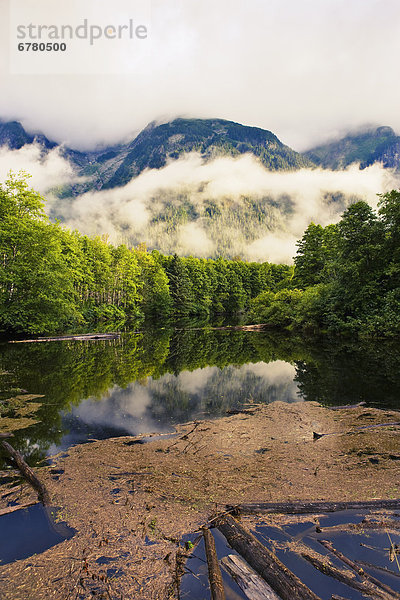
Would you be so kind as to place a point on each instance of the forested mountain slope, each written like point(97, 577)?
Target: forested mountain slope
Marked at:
point(366, 147)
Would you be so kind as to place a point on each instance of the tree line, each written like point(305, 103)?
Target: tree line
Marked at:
point(346, 276)
point(52, 278)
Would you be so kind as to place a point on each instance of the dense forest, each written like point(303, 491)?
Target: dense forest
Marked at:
point(346, 277)
point(52, 278)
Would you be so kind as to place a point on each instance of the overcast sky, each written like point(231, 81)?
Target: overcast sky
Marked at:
point(304, 69)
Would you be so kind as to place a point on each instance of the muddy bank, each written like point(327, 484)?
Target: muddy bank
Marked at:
point(131, 503)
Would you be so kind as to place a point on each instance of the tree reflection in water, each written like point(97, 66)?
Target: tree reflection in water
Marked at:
point(151, 380)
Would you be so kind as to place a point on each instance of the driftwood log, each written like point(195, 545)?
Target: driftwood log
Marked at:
point(359, 570)
point(27, 473)
point(322, 565)
point(303, 508)
point(366, 524)
point(255, 327)
point(11, 509)
point(11, 490)
point(264, 562)
point(68, 338)
point(385, 570)
point(252, 585)
point(347, 406)
point(214, 572)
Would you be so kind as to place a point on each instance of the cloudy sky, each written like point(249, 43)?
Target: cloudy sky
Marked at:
point(305, 69)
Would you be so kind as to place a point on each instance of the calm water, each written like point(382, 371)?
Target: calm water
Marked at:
point(147, 382)
point(31, 531)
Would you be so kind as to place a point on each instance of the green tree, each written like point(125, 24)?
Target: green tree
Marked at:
point(359, 265)
point(278, 310)
point(36, 285)
point(315, 251)
point(389, 212)
point(153, 285)
point(180, 285)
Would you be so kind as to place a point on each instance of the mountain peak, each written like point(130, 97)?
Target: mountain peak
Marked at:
point(364, 146)
point(13, 135)
point(385, 130)
point(159, 143)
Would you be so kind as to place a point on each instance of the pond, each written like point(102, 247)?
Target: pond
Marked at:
point(149, 381)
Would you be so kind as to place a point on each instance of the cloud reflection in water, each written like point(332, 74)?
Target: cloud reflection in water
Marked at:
point(155, 405)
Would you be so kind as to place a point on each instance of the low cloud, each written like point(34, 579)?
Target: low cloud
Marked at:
point(195, 381)
point(279, 247)
point(276, 372)
point(121, 409)
point(169, 208)
point(229, 206)
point(192, 238)
point(121, 212)
point(47, 170)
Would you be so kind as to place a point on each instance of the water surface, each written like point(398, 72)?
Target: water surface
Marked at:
point(150, 381)
point(31, 531)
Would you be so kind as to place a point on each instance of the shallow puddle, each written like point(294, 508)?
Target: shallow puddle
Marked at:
point(31, 531)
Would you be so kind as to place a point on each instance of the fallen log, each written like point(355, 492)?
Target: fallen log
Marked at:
point(347, 406)
point(68, 338)
point(240, 411)
point(327, 569)
point(303, 508)
point(359, 570)
point(252, 585)
point(257, 327)
point(28, 473)
point(366, 524)
point(11, 509)
point(11, 490)
point(214, 572)
point(385, 570)
point(264, 562)
point(4, 436)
